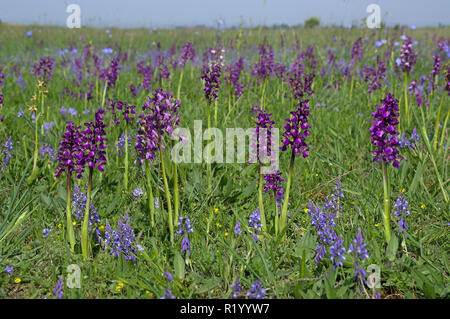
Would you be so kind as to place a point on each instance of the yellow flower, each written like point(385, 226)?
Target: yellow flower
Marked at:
point(59, 226)
point(101, 228)
point(32, 108)
point(216, 210)
point(317, 174)
point(218, 225)
point(403, 190)
point(119, 287)
point(226, 234)
point(17, 280)
point(422, 206)
point(306, 210)
point(74, 223)
point(378, 225)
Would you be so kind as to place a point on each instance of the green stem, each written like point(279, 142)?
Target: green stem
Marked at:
point(260, 198)
point(215, 113)
point(386, 212)
point(166, 189)
point(406, 99)
point(104, 94)
point(175, 191)
point(209, 164)
point(283, 219)
point(85, 226)
point(151, 203)
point(126, 159)
point(276, 212)
point(179, 84)
point(70, 232)
point(263, 93)
point(35, 155)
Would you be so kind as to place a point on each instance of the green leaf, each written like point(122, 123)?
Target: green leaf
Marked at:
point(392, 247)
point(178, 265)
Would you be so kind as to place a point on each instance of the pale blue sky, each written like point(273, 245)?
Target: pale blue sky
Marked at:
point(170, 13)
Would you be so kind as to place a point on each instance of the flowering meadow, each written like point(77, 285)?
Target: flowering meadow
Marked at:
point(93, 203)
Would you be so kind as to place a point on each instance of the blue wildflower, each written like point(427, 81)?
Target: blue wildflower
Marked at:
point(257, 291)
point(58, 290)
point(359, 251)
point(120, 241)
point(237, 228)
point(168, 294)
point(45, 232)
point(254, 222)
point(337, 252)
point(137, 192)
point(400, 210)
point(9, 269)
point(236, 289)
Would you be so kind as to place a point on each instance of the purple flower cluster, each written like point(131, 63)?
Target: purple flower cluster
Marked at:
point(44, 68)
point(187, 54)
point(408, 58)
point(70, 151)
point(146, 71)
point(93, 142)
point(127, 111)
point(296, 130)
point(357, 50)
point(383, 131)
point(359, 252)
point(2, 76)
point(417, 90)
point(273, 182)
point(112, 72)
point(261, 140)
point(400, 210)
point(120, 241)
point(211, 76)
point(232, 74)
point(374, 76)
point(264, 67)
point(301, 84)
point(163, 115)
